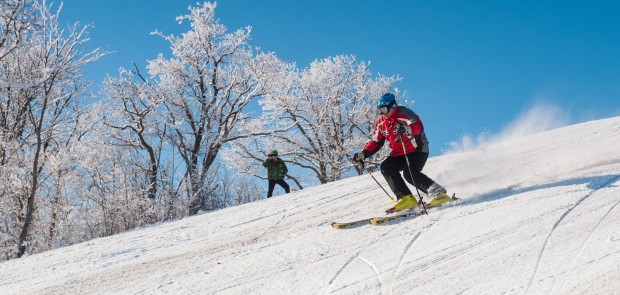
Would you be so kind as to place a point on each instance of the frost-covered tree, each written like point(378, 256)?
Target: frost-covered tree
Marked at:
point(135, 121)
point(40, 97)
point(112, 197)
point(208, 83)
point(332, 107)
point(17, 19)
point(17, 22)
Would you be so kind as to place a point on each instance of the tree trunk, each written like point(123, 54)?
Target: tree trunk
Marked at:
point(21, 249)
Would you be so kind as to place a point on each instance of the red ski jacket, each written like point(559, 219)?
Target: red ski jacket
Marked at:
point(384, 129)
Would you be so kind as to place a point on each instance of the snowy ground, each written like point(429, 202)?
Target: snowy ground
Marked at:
point(540, 215)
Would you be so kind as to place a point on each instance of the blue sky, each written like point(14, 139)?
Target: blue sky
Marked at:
point(470, 66)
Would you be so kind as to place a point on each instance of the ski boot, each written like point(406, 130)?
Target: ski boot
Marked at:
point(438, 195)
point(406, 202)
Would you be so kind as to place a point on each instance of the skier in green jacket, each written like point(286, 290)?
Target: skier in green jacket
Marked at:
point(276, 170)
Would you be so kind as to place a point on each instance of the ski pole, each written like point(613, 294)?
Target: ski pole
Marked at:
point(362, 166)
point(411, 175)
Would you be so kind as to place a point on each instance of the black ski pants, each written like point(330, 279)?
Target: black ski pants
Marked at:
point(272, 185)
point(392, 166)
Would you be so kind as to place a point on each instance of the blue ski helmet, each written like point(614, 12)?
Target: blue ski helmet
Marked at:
point(387, 101)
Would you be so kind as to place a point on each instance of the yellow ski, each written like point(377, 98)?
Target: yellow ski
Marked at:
point(386, 219)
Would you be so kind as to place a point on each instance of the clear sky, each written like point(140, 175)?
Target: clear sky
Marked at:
point(471, 66)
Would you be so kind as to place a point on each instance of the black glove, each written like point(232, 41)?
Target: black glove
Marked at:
point(359, 156)
point(401, 129)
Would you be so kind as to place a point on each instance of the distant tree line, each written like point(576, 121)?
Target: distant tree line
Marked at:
point(185, 134)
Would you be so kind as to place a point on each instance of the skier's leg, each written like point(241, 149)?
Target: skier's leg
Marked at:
point(434, 190)
point(390, 168)
point(272, 185)
point(417, 162)
point(284, 185)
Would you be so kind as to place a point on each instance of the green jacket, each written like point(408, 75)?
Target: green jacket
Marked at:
point(275, 171)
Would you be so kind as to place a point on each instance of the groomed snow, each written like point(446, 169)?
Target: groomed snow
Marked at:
point(540, 215)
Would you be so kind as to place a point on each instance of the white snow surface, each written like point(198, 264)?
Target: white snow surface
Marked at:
point(540, 215)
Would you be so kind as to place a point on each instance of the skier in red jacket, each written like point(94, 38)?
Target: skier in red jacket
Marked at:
point(395, 124)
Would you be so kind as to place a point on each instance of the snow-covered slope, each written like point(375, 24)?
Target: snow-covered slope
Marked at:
point(540, 216)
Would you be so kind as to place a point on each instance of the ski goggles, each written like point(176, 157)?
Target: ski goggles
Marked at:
point(384, 110)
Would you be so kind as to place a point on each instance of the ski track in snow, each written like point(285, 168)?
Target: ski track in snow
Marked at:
point(458, 250)
point(402, 258)
point(257, 219)
point(352, 258)
point(337, 274)
point(583, 246)
point(375, 269)
point(410, 246)
point(557, 223)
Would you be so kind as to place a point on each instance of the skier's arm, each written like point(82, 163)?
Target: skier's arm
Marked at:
point(375, 143)
point(416, 125)
point(284, 169)
point(413, 121)
point(266, 162)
